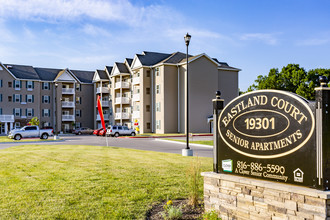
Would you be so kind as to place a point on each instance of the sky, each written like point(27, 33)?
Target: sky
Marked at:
point(252, 35)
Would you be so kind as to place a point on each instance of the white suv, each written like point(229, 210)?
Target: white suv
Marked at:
point(117, 130)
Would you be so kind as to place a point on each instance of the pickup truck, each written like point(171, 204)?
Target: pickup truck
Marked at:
point(30, 131)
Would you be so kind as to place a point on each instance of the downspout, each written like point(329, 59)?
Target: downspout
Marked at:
point(152, 101)
point(179, 107)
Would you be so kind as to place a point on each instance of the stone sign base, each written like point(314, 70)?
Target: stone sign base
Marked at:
point(235, 197)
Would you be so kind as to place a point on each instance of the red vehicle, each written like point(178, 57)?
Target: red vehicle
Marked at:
point(102, 132)
point(98, 131)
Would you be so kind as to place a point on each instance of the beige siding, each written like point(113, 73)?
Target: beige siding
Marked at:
point(228, 84)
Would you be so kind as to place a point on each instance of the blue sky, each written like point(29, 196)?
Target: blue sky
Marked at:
point(254, 36)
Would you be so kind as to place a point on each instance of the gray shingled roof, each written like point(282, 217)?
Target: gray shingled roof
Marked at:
point(175, 58)
point(102, 74)
point(122, 67)
point(129, 61)
point(109, 69)
point(224, 64)
point(84, 76)
point(151, 58)
point(23, 72)
point(47, 74)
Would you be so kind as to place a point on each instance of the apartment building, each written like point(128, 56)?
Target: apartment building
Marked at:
point(150, 91)
point(146, 92)
point(60, 95)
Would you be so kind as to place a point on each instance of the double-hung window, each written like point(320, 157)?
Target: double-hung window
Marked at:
point(29, 98)
point(29, 85)
point(17, 84)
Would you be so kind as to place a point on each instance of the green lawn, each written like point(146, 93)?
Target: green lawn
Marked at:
point(6, 139)
point(210, 142)
point(80, 182)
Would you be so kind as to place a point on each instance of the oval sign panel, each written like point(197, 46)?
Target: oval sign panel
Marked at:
point(266, 124)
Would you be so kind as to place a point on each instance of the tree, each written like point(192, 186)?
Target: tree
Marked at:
point(292, 78)
point(34, 121)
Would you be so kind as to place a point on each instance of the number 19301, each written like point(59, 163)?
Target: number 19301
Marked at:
point(260, 123)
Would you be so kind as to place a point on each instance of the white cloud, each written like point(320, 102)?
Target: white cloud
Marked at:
point(266, 38)
point(104, 10)
point(95, 31)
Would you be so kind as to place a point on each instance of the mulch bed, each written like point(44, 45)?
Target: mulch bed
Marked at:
point(188, 211)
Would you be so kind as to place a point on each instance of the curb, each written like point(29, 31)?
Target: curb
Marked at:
point(183, 143)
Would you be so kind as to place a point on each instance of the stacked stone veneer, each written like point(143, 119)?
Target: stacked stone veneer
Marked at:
point(237, 197)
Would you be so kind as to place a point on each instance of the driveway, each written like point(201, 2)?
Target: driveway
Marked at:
point(149, 144)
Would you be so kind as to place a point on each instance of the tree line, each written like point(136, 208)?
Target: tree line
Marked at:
point(292, 78)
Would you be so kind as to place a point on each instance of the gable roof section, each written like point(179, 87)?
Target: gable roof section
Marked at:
point(83, 76)
point(103, 75)
point(122, 67)
point(129, 61)
point(66, 75)
point(151, 58)
point(193, 58)
point(175, 58)
point(47, 74)
point(23, 72)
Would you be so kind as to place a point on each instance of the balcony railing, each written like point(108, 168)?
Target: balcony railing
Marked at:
point(105, 116)
point(67, 104)
point(136, 114)
point(123, 85)
point(136, 97)
point(122, 100)
point(102, 90)
point(67, 90)
point(7, 118)
point(135, 80)
point(67, 117)
point(122, 115)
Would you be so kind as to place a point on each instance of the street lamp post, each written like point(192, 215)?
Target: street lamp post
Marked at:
point(55, 112)
point(187, 151)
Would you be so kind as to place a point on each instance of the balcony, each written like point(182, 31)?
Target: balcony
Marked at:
point(122, 85)
point(122, 100)
point(7, 118)
point(136, 114)
point(105, 104)
point(122, 115)
point(67, 90)
point(102, 90)
point(136, 97)
point(105, 116)
point(67, 117)
point(67, 104)
point(135, 80)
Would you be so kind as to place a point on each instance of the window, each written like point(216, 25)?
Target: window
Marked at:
point(158, 89)
point(29, 85)
point(147, 91)
point(30, 98)
point(148, 73)
point(45, 86)
point(17, 98)
point(78, 87)
point(78, 124)
point(147, 108)
point(158, 106)
point(148, 125)
point(46, 112)
point(0, 111)
point(17, 85)
point(17, 111)
point(29, 112)
point(46, 124)
point(9, 84)
point(0, 97)
point(158, 124)
point(78, 112)
point(9, 98)
point(78, 100)
point(45, 99)
point(0, 83)
point(31, 128)
point(157, 71)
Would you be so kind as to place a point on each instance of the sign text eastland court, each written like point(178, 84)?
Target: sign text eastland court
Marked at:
point(268, 134)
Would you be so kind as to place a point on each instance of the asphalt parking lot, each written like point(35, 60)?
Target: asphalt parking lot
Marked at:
point(150, 144)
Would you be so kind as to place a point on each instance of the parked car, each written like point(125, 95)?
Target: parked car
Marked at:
point(83, 130)
point(30, 131)
point(97, 131)
point(117, 130)
point(102, 132)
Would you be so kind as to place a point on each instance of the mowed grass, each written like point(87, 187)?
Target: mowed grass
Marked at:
point(80, 182)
